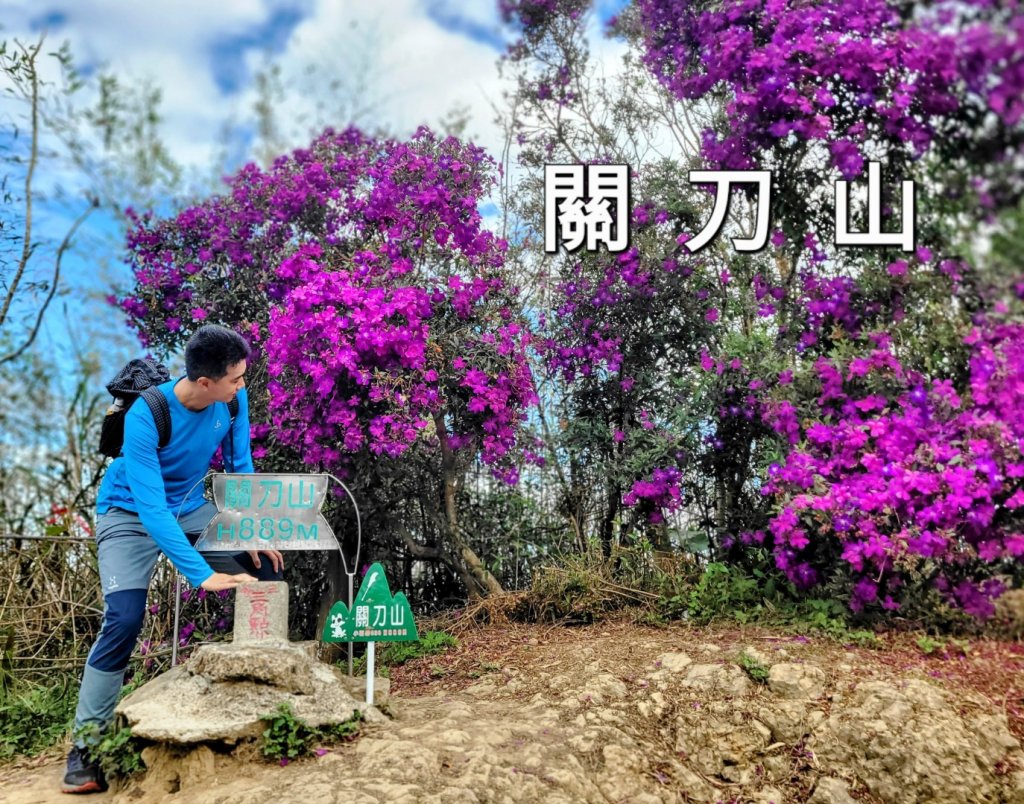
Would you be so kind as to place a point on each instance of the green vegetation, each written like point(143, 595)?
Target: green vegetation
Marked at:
point(34, 719)
point(929, 646)
point(431, 643)
point(757, 671)
point(394, 654)
point(664, 588)
point(289, 737)
point(483, 668)
point(119, 754)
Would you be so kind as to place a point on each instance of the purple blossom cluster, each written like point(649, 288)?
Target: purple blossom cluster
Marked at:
point(841, 72)
point(533, 21)
point(661, 491)
point(356, 363)
point(361, 272)
point(898, 473)
point(583, 340)
point(880, 452)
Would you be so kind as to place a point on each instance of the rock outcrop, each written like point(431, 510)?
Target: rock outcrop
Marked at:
point(223, 690)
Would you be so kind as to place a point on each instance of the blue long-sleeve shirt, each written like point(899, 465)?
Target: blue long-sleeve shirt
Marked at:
point(157, 484)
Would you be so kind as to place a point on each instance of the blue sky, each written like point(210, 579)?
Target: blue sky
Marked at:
point(426, 56)
point(418, 60)
point(227, 54)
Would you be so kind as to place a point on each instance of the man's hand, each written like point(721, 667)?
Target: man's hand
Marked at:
point(220, 581)
point(276, 559)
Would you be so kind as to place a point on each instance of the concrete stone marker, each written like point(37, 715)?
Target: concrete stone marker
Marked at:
point(261, 612)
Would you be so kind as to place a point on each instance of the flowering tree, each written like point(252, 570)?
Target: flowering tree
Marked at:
point(821, 360)
point(656, 443)
point(902, 478)
point(879, 476)
point(387, 336)
point(842, 82)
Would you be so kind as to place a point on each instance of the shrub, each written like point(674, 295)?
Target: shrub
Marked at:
point(288, 737)
point(35, 718)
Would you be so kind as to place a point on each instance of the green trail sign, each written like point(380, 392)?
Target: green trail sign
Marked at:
point(376, 615)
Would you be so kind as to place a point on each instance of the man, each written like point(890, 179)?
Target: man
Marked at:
point(151, 501)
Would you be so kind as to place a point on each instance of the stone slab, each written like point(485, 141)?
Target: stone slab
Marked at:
point(202, 701)
point(261, 612)
point(276, 665)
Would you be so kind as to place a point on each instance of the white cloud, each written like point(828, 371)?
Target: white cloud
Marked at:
point(417, 70)
point(417, 57)
point(419, 61)
point(169, 44)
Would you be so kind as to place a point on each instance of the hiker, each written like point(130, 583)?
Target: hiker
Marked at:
point(151, 502)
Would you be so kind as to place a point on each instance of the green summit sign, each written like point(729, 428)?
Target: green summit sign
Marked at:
point(376, 615)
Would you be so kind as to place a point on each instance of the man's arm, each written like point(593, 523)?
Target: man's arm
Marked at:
point(142, 468)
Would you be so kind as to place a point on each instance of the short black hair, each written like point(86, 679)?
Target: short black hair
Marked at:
point(210, 351)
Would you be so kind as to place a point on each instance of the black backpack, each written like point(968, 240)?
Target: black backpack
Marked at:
point(138, 379)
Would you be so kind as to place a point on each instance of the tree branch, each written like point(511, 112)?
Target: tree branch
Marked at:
point(26, 245)
point(65, 244)
point(416, 550)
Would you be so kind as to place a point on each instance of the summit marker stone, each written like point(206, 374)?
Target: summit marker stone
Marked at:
point(261, 612)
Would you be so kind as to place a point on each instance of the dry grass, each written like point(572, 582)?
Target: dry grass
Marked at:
point(50, 600)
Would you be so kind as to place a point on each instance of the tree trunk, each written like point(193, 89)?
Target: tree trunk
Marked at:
point(608, 523)
point(477, 579)
point(721, 509)
point(335, 589)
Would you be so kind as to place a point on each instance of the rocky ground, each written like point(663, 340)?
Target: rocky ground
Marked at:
point(624, 713)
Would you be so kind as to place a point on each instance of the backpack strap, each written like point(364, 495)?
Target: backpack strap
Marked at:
point(233, 411)
point(161, 411)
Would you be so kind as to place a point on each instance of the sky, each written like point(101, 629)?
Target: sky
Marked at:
point(392, 63)
point(423, 57)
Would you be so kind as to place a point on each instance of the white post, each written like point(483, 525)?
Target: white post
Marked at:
point(369, 672)
point(350, 577)
point(177, 615)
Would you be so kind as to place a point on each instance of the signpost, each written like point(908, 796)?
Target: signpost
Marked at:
point(268, 512)
point(376, 616)
point(271, 512)
point(282, 512)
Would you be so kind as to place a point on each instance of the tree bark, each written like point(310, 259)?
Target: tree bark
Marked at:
point(608, 522)
point(477, 579)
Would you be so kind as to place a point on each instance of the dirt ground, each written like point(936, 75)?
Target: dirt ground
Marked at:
point(603, 713)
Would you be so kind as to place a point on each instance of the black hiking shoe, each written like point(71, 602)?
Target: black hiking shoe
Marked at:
point(83, 774)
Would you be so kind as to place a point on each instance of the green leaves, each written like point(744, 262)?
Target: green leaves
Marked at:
point(288, 737)
point(757, 672)
point(119, 754)
point(34, 718)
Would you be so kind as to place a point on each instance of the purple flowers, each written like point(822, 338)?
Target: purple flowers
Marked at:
point(819, 405)
point(793, 69)
point(376, 296)
point(899, 487)
point(662, 491)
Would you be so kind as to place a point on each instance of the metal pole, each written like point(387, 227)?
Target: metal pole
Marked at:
point(177, 616)
point(369, 672)
point(344, 564)
point(350, 602)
